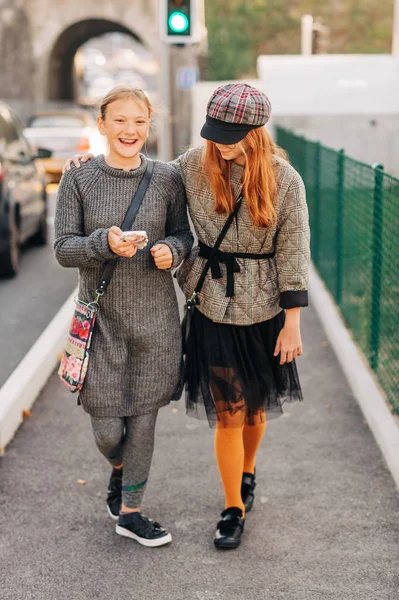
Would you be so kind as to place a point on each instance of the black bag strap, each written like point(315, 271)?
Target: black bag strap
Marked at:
point(191, 302)
point(126, 225)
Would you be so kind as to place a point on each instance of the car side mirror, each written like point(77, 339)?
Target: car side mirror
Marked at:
point(44, 153)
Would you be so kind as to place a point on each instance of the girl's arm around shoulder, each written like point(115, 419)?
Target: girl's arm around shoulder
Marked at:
point(72, 247)
point(293, 241)
point(177, 228)
point(188, 163)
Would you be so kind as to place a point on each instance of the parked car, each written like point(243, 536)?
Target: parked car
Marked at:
point(23, 198)
point(64, 132)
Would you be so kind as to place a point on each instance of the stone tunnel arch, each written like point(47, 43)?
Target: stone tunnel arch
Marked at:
point(60, 74)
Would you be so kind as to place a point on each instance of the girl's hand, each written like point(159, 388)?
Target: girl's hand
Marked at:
point(289, 343)
point(162, 256)
point(126, 249)
point(76, 160)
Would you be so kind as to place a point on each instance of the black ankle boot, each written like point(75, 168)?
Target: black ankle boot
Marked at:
point(248, 486)
point(229, 530)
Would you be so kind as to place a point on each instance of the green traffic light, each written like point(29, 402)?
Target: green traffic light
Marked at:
point(178, 22)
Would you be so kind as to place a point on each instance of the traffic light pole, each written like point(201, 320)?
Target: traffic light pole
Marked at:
point(165, 138)
point(181, 23)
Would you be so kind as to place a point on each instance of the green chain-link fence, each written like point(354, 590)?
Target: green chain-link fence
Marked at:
point(354, 220)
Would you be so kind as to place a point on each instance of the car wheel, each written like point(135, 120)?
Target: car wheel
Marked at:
point(40, 237)
point(9, 260)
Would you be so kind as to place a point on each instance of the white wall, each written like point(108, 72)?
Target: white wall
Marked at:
point(331, 84)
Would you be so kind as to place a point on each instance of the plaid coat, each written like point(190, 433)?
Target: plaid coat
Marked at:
point(262, 287)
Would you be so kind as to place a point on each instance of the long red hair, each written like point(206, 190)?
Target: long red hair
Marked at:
point(259, 177)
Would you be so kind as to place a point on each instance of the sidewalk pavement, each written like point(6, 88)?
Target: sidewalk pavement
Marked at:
point(324, 526)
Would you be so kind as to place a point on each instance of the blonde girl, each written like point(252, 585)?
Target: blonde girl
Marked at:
point(135, 356)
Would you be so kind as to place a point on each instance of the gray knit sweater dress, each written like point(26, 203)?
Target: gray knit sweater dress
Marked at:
point(135, 355)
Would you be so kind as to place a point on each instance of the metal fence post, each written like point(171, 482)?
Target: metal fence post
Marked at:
point(376, 265)
point(317, 198)
point(340, 224)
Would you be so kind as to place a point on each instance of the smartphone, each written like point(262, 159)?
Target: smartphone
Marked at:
point(139, 238)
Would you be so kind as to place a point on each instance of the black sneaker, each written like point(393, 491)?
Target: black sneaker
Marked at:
point(230, 528)
point(114, 498)
point(248, 486)
point(142, 529)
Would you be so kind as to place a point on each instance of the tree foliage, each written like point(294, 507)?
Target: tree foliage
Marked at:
point(241, 30)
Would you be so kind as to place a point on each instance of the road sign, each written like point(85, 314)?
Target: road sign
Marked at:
point(186, 78)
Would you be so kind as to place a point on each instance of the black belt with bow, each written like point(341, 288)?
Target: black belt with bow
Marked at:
point(230, 260)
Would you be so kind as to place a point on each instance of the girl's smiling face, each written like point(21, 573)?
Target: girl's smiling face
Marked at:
point(126, 127)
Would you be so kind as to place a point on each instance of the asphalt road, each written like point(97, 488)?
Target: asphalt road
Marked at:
point(325, 524)
point(29, 301)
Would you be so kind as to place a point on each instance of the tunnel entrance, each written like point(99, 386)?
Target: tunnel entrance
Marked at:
point(62, 84)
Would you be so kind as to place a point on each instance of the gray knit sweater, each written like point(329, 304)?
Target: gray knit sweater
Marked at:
point(136, 348)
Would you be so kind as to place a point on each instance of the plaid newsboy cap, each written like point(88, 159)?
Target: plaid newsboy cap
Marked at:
point(232, 111)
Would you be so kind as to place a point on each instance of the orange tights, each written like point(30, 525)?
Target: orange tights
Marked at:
point(236, 448)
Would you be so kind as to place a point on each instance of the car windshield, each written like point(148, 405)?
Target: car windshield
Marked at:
point(63, 121)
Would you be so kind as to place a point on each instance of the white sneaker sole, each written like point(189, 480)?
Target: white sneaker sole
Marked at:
point(166, 539)
point(113, 517)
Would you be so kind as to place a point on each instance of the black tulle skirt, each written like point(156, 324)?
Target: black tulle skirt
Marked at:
point(232, 376)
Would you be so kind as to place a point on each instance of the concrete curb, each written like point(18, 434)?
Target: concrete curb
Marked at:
point(26, 382)
point(358, 374)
